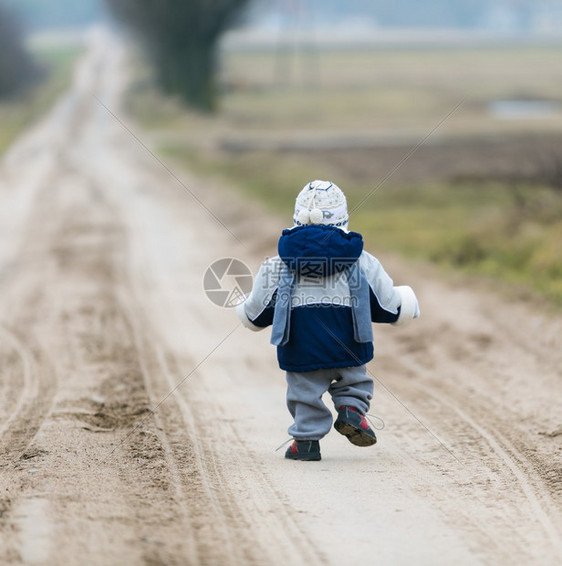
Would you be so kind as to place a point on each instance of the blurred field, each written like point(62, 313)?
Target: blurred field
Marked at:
point(386, 90)
point(15, 115)
point(451, 178)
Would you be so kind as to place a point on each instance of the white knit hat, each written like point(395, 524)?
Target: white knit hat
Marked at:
point(321, 202)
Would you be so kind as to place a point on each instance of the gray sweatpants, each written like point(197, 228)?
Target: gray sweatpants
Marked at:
point(313, 420)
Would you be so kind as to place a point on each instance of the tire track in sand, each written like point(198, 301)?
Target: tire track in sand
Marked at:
point(29, 386)
point(15, 378)
point(145, 362)
point(502, 474)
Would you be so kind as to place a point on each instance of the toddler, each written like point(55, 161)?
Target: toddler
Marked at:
point(320, 295)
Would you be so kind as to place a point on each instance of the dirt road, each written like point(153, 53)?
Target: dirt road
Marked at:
point(139, 421)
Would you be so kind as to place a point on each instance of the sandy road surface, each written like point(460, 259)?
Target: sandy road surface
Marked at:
point(103, 317)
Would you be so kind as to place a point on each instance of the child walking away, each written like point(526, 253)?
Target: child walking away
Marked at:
point(320, 295)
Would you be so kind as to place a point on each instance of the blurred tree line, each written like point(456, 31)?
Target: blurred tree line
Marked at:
point(181, 38)
point(17, 68)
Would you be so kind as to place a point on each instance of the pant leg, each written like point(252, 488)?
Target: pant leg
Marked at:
point(353, 387)
point(313, 419)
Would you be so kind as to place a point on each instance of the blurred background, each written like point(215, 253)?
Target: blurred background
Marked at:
point(440, 119)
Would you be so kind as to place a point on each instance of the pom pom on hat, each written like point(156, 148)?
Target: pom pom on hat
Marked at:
point(303, 217)
point(321, 202)
point(316, 216)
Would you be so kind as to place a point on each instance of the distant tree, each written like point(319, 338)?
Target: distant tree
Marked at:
point(181, 40)
point(17, 69)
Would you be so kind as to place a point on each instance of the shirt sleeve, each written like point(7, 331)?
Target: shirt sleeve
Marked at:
point(256, 312)
point(385, 299)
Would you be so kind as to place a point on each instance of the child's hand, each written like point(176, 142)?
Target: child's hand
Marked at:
point(409, 306)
